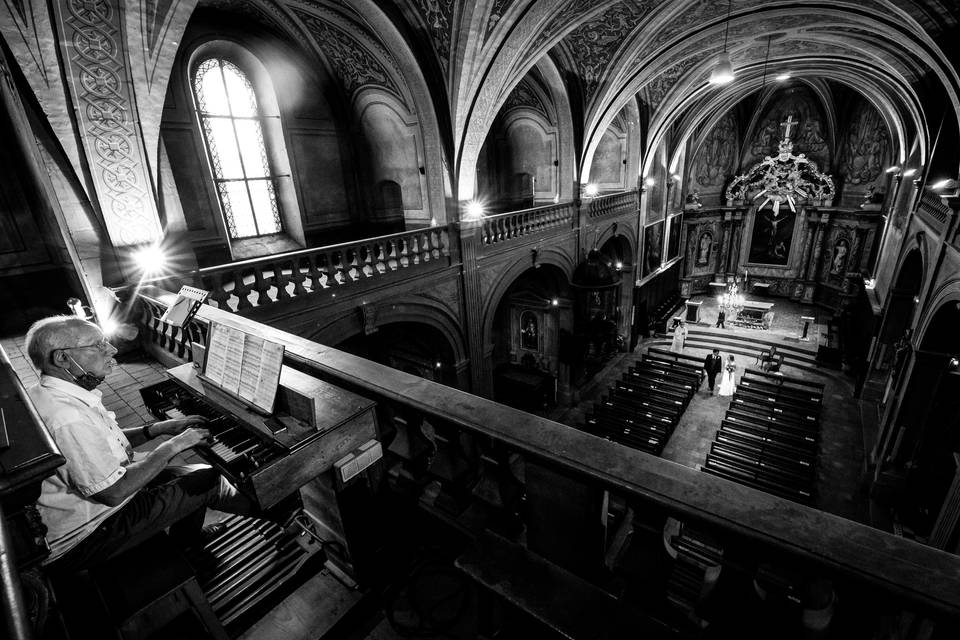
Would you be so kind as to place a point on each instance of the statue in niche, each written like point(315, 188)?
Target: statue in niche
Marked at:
point(703, 248)
point(839, 262)
point(529, 333)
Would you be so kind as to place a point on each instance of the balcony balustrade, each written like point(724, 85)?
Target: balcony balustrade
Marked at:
point(516, 224)
point(239, 286)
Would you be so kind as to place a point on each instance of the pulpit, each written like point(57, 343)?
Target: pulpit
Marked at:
point(693, 310)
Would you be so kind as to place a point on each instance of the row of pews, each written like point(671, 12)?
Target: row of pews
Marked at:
point(642, 409)
point(770, 436)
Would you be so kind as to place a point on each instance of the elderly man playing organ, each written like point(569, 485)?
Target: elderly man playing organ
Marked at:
point(108, 497)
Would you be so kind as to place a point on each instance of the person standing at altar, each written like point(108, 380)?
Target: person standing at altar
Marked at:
point(721, 318)
point(727, 385)
point(679, 337)
point(712, 365)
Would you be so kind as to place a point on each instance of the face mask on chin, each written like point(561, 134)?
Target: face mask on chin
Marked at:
point(85, 380)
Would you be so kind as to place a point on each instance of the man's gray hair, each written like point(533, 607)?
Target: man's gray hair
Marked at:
point(47, 335)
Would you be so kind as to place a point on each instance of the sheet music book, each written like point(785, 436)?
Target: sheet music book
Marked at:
point(243, 365)
point(185, 306)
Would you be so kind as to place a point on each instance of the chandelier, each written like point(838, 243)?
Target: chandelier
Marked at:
point(731, 301)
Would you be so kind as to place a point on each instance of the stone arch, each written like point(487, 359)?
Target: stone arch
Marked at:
point(936, 321)
point(548, 257)
point(393, 136)
point(413, 309)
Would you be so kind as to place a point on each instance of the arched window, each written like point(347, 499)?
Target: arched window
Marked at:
point(232, 128)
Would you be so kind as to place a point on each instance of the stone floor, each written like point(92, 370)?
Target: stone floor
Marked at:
point(786, 317)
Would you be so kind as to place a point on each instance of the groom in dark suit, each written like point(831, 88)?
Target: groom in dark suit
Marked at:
point(712, 365)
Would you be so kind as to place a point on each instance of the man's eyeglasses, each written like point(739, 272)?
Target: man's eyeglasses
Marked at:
point(103, 345)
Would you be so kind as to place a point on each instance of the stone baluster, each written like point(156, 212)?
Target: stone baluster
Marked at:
point(242, 291)
point(352, 265)
point(280, 281)
point(261, 286)
point(218, 292)
point(317, 277)
point(366, 258)
point(404, 252)
point(297, 276)
point(337, 266)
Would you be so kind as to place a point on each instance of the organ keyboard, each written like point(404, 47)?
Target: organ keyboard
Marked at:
point(266, 458)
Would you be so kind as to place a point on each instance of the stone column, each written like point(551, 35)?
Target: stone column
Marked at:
point(804, 258)
point(481, 376)
point(724, 241)
point(813, 269)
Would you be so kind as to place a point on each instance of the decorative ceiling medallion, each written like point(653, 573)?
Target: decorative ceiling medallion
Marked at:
point(786, 178)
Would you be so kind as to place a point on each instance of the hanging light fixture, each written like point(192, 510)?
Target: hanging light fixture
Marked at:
point(722, 72)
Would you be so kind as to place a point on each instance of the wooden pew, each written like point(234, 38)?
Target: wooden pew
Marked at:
point(803, 451)
point(789, 382)
point(692, 363)
point(784, 405)
point(652, 390)
point(631, 417)
point(778, 434)
point(743, 414)
point(763, 386)
point(643, 377)
point(720, 468)
point(804, 476)
point(669, 412)
point(648, 441)
point(789, 415)
point(679, 374)
point(768, 447)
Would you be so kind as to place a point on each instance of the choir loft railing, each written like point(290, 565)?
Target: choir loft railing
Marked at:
point(934, 211)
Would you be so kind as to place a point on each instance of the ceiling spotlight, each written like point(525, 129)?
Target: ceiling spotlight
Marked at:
point(893, 169)
point(555, 302)
point(590, 190)
point(909, 172)
point(782, 77)
point(650, 182)
point(722, 72)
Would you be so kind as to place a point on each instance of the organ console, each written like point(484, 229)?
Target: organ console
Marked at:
point(269, 458)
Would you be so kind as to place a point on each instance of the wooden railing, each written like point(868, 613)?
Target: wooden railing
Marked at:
point(515, 224)
point(239, 286)
point(614, 204)
point(471, 449)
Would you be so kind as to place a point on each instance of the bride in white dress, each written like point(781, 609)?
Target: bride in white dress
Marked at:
point(726, 382)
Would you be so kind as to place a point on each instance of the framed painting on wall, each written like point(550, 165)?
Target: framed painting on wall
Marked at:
point(673, 236)
point(772, 236)
point(652, 247)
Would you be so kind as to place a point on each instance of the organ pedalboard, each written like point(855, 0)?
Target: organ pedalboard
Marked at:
point(267, 458)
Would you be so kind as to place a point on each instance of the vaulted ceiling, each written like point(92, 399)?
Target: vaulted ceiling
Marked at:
point(461, 59)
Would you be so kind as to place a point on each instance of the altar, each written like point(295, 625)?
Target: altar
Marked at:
point(755, 315)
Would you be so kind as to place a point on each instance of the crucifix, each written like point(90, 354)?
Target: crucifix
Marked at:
point(788, 124)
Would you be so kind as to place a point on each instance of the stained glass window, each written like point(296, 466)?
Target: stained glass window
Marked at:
point(232, 128)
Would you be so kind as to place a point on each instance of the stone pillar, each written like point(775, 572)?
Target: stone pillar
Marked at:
point(481, 376)
point(814, 268)
point(736, 226)
point(724, 241)
point(804, 258)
